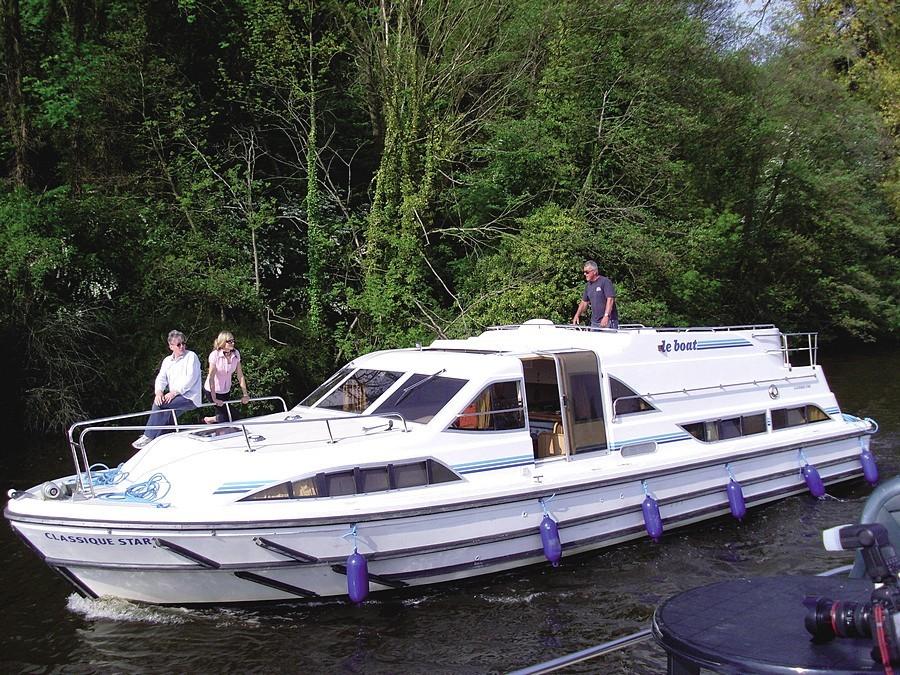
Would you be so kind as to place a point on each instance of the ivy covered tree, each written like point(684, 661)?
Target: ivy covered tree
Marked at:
point(328, 177)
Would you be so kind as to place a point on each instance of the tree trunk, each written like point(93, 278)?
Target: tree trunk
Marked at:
point(15, 100)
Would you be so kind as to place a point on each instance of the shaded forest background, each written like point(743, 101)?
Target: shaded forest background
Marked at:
point(325, 178)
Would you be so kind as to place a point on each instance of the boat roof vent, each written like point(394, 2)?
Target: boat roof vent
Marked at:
point(538, 322)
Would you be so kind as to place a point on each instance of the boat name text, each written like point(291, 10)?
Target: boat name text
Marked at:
point(100, 541)
point(667, 346)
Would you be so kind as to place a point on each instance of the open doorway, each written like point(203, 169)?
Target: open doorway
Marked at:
point(565, 409)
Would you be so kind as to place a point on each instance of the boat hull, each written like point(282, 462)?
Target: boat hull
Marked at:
point(204, 562)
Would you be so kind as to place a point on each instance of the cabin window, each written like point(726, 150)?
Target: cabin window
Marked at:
point(305, 488)
point(731, 427)
point(374, 479)
point(793, 417)
point(438, 473)
point(340, 483)
point(420, 397)
point(281, 491)
point(410, 475)
point(326, 386)
point(625, 400)
point(753, 424)
point(360, 390)
point(361, 480)
point(498, 407)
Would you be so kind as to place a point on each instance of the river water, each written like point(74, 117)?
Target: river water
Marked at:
point(487, 625)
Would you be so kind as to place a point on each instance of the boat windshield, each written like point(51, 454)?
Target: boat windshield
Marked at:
point(326, 386)
point(421, 397)
point(357, 392)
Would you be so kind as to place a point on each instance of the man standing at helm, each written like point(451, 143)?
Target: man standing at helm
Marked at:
point(600, 293)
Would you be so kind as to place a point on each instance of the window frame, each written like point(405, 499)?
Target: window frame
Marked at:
point(804, 409)
point(633, 396)
point(491, 413)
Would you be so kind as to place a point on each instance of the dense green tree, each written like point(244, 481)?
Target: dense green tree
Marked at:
point(327, 177)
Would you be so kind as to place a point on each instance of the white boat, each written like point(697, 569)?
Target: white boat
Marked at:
point(462, 458)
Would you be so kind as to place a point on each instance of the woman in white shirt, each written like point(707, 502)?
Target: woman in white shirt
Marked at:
point(177, 386)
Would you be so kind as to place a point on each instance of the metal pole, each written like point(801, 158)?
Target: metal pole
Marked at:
point(585, 654)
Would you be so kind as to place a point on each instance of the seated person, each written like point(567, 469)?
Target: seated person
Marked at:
point(177, 386)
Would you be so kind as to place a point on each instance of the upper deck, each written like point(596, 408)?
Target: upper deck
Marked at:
point(641, 344)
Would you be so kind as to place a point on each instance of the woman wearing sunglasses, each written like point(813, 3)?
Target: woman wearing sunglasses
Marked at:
point(224, 361)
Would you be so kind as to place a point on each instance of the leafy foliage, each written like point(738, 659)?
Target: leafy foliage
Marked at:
point(324, 178)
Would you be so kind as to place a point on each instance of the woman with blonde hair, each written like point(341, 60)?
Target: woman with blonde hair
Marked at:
point(224, 361)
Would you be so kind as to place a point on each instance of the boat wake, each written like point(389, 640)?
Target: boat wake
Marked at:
point(117, 609)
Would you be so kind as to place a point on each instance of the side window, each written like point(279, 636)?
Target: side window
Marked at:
point(730, 428)
point(815, 414)
point(625, 400)
point(497, 407)
point(410, 475)
point(793, 417)
point(733, 427)
point(340, 484)
point(696, 429)
point(753, 424)
point(280, 491)
point(305, 488)
point(440, 473)
point(374, 479)
point(360, 480)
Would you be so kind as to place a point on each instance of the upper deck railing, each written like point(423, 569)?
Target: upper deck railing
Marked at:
point(637, 327)
point(792, 343)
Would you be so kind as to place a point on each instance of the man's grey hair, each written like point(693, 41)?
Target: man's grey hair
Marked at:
point(176, 335)
point(592, 265)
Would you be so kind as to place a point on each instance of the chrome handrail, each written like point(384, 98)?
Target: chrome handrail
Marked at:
point(687, 391)
point(812, 347)
point(87, 426)
point(638, 327)
point(79, 444)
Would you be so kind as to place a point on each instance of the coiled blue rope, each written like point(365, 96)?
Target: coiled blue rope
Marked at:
point(873, 425)
point(103, 475)
point(155, 487)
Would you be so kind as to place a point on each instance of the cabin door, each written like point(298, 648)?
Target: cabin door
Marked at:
point(580, 401)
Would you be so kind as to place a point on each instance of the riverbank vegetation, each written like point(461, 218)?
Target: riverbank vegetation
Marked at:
point(324, 178)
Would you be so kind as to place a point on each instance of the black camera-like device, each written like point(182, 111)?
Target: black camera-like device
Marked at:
point(878, 619)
